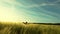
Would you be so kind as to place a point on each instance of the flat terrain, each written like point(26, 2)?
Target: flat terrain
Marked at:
point(21, 28)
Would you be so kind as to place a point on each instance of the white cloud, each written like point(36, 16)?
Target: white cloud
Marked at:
point(9, 13)
point(56, 1)
point(39, 5)
point(12, 2)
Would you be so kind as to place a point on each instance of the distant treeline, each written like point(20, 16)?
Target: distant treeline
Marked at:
point(48, 23)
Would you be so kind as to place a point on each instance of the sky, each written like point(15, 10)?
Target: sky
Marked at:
point(38, 11)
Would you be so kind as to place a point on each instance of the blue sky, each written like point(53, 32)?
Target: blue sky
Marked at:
point(42, 11)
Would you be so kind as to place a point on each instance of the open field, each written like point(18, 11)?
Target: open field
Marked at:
point(21, 28)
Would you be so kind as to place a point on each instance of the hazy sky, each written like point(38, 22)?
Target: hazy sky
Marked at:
point(45, 11)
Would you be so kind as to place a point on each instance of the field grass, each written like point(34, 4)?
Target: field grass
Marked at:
point(21, 28)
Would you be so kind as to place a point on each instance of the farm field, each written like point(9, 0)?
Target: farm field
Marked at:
point(21, 28)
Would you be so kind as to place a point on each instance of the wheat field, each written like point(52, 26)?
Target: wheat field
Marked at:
point(21, 28)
